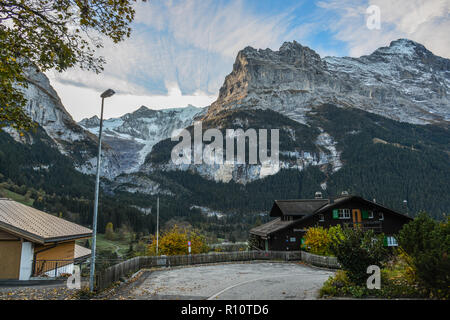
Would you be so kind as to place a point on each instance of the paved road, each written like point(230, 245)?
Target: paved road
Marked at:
point(249, 281)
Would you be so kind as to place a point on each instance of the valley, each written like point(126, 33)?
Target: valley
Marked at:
point(376, 126)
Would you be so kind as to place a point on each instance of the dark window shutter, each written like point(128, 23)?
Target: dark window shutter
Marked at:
point(335, 214)
point(365, 214)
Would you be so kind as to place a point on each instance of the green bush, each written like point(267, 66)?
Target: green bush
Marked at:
point(334, 285)
point(427, 243)
point(394, 284)
point(357, 250)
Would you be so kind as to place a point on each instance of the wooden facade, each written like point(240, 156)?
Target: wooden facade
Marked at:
point(10, 253)
point(44, 257)
point(294, 217)
point(34, 243)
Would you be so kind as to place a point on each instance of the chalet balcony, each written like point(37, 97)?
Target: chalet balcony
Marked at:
point(376, 226)
point(52, 268)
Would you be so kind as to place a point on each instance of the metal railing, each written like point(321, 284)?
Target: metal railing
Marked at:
point(52, 268)
point(57, 268)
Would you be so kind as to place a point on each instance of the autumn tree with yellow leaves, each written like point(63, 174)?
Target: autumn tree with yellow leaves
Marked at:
point(175, 242)
point(319, 239)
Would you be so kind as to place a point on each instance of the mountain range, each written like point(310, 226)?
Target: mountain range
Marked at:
point(377, 126)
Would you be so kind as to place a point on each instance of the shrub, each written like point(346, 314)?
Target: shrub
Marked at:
point(109, 231)
point(427, 243)
point(394, 284)
point(318, 240)
point(357, 250)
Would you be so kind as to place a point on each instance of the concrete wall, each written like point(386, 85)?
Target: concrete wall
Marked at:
point(26, 261)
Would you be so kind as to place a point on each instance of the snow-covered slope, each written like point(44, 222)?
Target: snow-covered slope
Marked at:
point(133, 135)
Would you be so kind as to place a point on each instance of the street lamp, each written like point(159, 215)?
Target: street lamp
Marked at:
point(108, 93)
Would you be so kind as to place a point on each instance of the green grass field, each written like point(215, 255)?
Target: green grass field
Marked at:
point(5, 193)
point(119, 246)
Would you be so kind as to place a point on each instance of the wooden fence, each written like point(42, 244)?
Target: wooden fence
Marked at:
point(126, 268)
point(320, 261)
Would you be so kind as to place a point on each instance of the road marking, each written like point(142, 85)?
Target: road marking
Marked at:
point(262, 278)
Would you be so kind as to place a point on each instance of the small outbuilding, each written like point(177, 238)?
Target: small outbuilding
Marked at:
point(35, 244)
point(293, 218)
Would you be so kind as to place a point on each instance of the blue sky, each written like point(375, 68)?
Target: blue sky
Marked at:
point(181, 50)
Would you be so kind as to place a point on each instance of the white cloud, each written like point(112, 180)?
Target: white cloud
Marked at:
point(83, 102)
point(216, 26)
point(424, 21)
point(180, 49)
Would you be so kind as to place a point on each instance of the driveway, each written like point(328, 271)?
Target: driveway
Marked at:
point(237, 281)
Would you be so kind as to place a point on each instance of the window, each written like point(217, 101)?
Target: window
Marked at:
point(292, 239)
point(344, 213)
point(370, 214)
point(321, 217)
point(391, 242)
point(381, 216)
point(287, 218)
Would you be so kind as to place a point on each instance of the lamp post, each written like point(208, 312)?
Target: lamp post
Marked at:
point(157, 225)
point(108, 93)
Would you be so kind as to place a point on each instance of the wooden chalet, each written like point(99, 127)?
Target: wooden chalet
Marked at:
point(36, 244)
point(294, 217)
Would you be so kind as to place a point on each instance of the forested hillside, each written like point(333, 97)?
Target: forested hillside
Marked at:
point(382, 159)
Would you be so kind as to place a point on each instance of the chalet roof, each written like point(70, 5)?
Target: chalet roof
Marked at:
point(305, 209)
point(81, 252)
point(270, 227)
point(37, 226)
point(297, 207)
point(331, 204)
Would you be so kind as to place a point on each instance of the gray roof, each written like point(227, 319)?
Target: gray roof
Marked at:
point(270, 227)
point(300, 207)
point(81, 252)
point(36, 225)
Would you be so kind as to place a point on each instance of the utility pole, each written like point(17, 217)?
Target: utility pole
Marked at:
point(157, 225)
point(108, 93)
point(405, 204)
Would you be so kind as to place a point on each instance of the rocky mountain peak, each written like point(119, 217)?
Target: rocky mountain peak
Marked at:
point(142, 112)
point(45, 108)
point(293, 65)
point(91, 122)
point(404, 82)
point(298, 55)
point(402, 48)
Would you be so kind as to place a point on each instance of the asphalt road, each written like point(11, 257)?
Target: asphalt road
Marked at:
point(242, 281)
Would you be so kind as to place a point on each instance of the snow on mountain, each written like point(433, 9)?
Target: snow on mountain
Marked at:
point(133, 135)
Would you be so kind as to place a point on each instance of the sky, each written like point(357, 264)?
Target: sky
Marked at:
point(181, 50)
